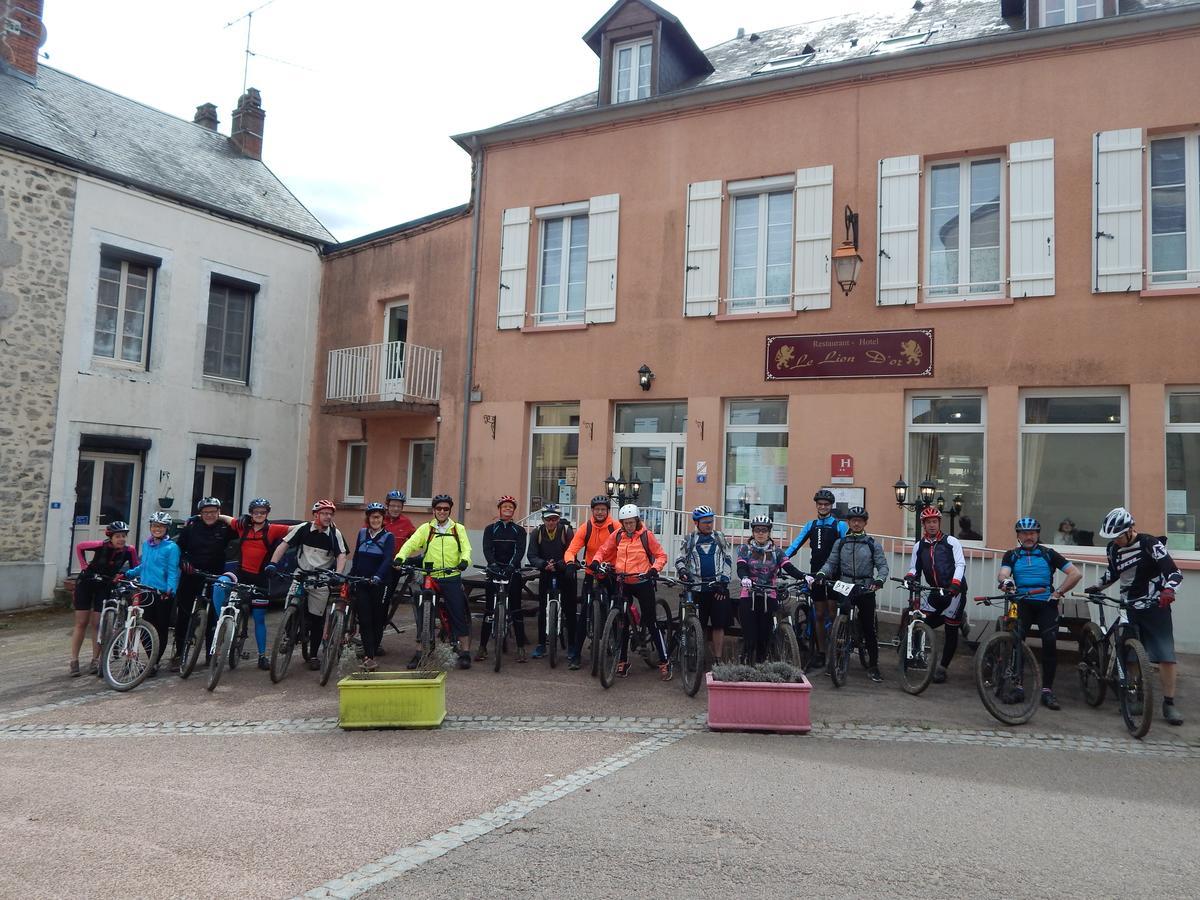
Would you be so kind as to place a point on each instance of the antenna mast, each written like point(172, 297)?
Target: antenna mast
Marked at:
point(249, 17)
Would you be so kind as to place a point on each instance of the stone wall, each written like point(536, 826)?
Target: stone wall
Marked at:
point(36, 216)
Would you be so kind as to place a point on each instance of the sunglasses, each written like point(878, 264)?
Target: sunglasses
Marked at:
point(441, 509)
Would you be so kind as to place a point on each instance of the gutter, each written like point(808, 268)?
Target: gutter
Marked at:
point(477, 155)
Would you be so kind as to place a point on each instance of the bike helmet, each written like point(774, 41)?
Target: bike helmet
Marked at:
point(824, 494)
point(929, 512)
point(1027, 523)
point(374, 507)
point(324, 504)
point(601, 500)
point(551, 509)
point(115, 528)
point(702, 512)
point(396, 495)
point(629, 511)
point(1116, 523)
point(207, 502)
point(507, 498)
point(259, 503)
point(857, 512)
point(761, 522)
point(160, 518)
point(443, 498)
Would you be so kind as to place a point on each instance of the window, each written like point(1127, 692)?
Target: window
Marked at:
point(651, 418)
point(761, 250)
point(420, 471)
point(1183, 469)
point(965, 243)
point(1064, 12)
point(227, 338)
point(784, 63)
point(891, 45)
point(562, 285)
point(756, 441)
point(631, 71)
point(946, 437)
point(123, 300)
point(356, 473)
point(1072, 459)
point(1175, 210)
point(220, 478)
point(554, 455)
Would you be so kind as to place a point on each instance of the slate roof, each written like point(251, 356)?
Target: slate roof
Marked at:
point(79, 124)
point(843, 38)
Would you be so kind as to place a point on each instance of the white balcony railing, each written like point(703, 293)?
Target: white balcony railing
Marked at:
point(380, 372)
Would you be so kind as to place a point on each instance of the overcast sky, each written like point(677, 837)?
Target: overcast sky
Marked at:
point(361, 96)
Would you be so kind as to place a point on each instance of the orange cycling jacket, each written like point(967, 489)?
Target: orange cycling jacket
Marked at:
point(589, 538)
point(628, 553)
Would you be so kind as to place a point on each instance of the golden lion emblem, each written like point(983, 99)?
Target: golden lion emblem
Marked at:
point(784, 356)
point(911, 351)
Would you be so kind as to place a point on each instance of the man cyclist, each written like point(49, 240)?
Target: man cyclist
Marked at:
point(547, 547)
point(820, 533)
point(939, 558)
point(590, 538)
point(504, 545)
point(634, 552)
point(759, 562)
point(158, 569)
point(203, 543)
point(447, 550)
point(1149, 579)
point(705, 557)
point(258, 540)
point(1029, 569)
point(401, 528)
point(319, 545)
point(858, 559)
point(109, 557)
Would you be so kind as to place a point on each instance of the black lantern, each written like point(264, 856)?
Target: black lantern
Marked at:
point(645, 376)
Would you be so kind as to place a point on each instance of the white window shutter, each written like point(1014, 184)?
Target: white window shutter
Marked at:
point(603, 221)
point(702, 261)
point(514, 267)
point(813, 223)
point(899, 212)
point(1117, 214)
point(1031, 218)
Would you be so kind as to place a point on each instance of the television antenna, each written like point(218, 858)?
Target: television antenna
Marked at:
point(249, 17)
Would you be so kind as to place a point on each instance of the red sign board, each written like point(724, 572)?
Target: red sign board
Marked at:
point(854, 354)
point(841, 465)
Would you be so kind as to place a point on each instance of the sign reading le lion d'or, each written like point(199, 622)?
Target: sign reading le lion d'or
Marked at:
point(855, 354)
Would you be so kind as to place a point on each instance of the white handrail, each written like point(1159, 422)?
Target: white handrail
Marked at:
point(395, 370)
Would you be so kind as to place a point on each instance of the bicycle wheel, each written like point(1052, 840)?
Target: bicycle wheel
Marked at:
point(1093, 660)
point(839, 650)
point(222, 644)
point(783, 644)
point(1009, 696)
point(917, 654)
point(499, 627)
point(430, 625)
point(804, 636)
point(285, 643)
point(662, 617)
point(126, 659)
point(612, 639)
point(598, 617)
point(692, 655)
point(197, 625)
point(332, 652)
point(107, 625)
point(239, 640)
point(1137, 691)
point(553, 621)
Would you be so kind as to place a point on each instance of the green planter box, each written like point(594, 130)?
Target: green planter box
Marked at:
point(392, 700)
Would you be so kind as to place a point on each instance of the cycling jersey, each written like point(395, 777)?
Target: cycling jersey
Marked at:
point(204, 546)
point(821, 533)
point(633, 554)
point(257, 544)
point(590, 538)
point(504, 543)
point(761, 563)
point(106, 560)
point(315, 549)
point(1033, 570)
point(401, 528)
point(159, 568)
point(1144, 568)
point(940, 560)
point(444, 546)
point(544, 546)
point(373, 554)
point(705, 556)
point(857, 558)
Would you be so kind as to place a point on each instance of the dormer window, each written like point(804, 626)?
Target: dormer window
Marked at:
point(782, 63)
point(631, 70)
point(904, 42)
point(1065, 12)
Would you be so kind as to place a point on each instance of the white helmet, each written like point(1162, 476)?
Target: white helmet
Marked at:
point(1116, 523)
point(629, 511)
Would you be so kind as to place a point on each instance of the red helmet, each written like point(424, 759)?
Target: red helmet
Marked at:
point(930, 512)
point(506, 499)
point(324, 504)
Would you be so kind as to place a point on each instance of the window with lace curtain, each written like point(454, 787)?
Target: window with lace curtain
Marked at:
point(946, 437)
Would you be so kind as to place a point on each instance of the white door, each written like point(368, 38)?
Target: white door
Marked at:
point(395, 338)
point(107, 489)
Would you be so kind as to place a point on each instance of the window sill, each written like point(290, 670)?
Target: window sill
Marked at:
point(117, 367)
point(960, 302)
point(751, 316)
point(224, 384)
point(565, 326)
point(1153, 293)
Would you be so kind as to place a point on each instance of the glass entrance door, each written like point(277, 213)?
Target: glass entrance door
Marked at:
point(649, 446)
point(106, 490)
point(395, 337)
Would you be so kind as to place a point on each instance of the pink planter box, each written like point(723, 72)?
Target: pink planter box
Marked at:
point(758, 706)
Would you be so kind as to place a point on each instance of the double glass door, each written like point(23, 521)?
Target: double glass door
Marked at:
point(106, 491)
point(649, 446)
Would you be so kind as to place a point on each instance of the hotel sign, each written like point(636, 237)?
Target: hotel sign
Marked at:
point(854, 354)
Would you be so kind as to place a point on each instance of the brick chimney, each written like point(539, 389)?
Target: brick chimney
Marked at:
point(248, 117)
point(206, 115)
point(21, 36)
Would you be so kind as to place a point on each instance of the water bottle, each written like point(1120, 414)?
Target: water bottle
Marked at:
point(635, 613)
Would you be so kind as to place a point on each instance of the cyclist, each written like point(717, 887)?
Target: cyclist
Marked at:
point(401, 528)
point(759, 562)
point(590, 538)
point(504, 545)
point(547, 547)
point(705, 556)
point(635, 552)
point(203, 543)
point(1149, 579)
point(1029, 569)
point(939, 558)
point(857, 558)
point(109, 557)
point(374, 550)
point(446, 547)
point(820, 533)
point(319, 545)
point(258, 540)
point(159, 569)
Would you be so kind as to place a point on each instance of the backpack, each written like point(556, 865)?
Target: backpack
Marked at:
point(431, 532)
point(587, 535)
point(645, 543)
point(364, 538)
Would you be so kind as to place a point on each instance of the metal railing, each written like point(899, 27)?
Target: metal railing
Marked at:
point(396, 370)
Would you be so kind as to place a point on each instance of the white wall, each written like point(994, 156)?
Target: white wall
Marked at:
point(172, 403)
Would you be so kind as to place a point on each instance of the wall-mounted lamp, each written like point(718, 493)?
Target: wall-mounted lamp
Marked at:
point(645, 376)
point(491, 421)
point(846, 260)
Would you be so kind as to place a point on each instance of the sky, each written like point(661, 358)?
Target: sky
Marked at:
point(362, 96)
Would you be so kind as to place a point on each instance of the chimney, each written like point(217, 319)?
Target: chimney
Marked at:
point(206, 115)
point(248, 115)
point(21, 36)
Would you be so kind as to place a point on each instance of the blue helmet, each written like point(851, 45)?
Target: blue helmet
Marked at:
point(702, 512)
point(1028, 523)
point(396, 495)
point(259, 503)
point(375, 507)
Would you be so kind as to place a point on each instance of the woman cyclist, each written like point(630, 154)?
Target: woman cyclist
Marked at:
point(374, 551)
point(159, 569)
point(94, 583)
point(759, 562)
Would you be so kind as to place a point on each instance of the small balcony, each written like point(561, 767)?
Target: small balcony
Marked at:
point(396, 377)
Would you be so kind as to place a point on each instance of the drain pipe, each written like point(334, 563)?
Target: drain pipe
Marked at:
point(472, 299)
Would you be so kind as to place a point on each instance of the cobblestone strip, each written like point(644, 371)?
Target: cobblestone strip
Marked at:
point(405, 859)
point(78, 700)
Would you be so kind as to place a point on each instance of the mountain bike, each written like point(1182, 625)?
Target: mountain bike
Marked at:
point(781, 645)
point(686, 645)
point(803, 616)
point(233, 620)
point(432, 622)
point(845, 635)
point(340, 624)
point(916, 641)
point(1113, 656)
point(132, 648)
point(593, 613)
point(197, 626)
point(112, 608)
point(499, 578)
point(402, 596)
point(291, 626)
point(624, 629)
point(556, 636)
point(1007, 674)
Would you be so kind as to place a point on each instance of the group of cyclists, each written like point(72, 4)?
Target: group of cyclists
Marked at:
point(846, 566)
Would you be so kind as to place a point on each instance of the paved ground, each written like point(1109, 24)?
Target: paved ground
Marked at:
point(541, 775)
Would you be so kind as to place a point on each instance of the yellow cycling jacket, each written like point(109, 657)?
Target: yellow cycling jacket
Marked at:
point(442, 551)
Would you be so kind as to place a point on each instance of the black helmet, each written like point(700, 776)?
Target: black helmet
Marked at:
point(601, 500)
point(824, 494)
point(206, 502)
point(443, 498)
point(259, 503)
point(857, 512)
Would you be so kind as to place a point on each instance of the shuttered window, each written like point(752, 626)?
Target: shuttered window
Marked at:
point(760, 261)
point(963, 215)
point(1174, 195)
point(1117, 211)
point(562, 287)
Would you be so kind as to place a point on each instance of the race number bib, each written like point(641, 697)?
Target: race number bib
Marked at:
point(843, 587)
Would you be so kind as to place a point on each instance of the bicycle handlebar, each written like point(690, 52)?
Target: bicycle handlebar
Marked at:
point(1012, 595)
point(1102, 599)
